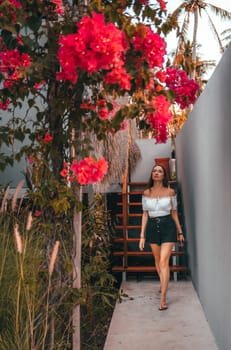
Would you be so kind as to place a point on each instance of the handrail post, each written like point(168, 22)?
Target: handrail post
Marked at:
point(125, 219)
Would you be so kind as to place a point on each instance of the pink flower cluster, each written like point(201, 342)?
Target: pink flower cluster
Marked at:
point(118, 75)
point(13, 3)
point(144, 2)
point(12, 65)
point(96, 46)
point(150, 45)
point(162, 4)
point(87, 170)
point(101, 109)
point(4, 105)
point(59, 8)
point(46, 139)
point(159, 116)
point(185, 89)
point(39, 85)
point(8, 9)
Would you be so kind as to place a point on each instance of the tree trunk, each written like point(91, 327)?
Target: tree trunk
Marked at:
point(194, 43)
point(77, 241)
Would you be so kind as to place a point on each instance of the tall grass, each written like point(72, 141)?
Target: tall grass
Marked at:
point(33, 283)
point(36, 293)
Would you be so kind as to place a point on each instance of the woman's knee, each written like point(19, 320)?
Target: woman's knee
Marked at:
point(163, 263)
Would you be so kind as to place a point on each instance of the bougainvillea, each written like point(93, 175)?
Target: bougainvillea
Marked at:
point(8, 8)
point(159, 116)
point(46, 139)
point(185, 89)
point(108, 59)
point(13, 65)
point(101, 47)
point(59, 8)
point(86, 171)
point(150, 45)
point(4, 105)
point(162, 4)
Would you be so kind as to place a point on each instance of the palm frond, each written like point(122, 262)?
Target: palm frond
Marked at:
point(218, 11)
point(215, 32)
point(179, 10)
point(226, 37)
point(173, 18)
point(206, 63)
point(185, 25)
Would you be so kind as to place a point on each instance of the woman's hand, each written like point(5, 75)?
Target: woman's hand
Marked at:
point(180, 238)
point(142, 243)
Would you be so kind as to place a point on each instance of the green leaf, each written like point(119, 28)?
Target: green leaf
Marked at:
point(19, 135)
point(31, 102)
point(10, 41)
point(34, 23)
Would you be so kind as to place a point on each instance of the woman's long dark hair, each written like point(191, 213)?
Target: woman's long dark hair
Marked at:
point(165, 179)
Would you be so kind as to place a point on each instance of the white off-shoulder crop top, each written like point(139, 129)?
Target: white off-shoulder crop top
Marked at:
point(160, 206)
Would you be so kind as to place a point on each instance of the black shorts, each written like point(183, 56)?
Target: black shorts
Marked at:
point(161, 230)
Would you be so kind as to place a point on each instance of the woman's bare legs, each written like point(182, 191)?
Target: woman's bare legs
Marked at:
point(156, 253)
point(162, 255)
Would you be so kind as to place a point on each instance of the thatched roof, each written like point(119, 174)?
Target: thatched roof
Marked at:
point(115, 149)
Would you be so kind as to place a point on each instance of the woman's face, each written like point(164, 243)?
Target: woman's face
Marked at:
point(157, 173)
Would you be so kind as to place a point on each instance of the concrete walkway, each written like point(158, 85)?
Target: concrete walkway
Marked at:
point(137, 324)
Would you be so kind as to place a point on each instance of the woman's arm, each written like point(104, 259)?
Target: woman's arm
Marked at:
point(180, 236)
point(176, 220)
point(143, 228)
point(175, 217)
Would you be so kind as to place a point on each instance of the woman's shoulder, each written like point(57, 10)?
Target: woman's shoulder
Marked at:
point(146, 192)
point(172, 192)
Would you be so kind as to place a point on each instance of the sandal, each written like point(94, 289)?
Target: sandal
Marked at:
point(162, 308)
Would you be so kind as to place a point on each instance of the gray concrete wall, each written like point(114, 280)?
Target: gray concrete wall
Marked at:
point(203, 150)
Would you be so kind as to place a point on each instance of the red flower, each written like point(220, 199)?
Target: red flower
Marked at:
point(64, 173)
point(87, 106)
point(39, 85)
point(19, 40)
point(89, 171)
point(59, 8)
point(101, 48)
point(15, 3)
point(4, 105)
point(13, 65)
point(159, 88)
point(103, 113)
point(184, 88)
point(30, 159)
point(162, 4)
point(150, 45)
point(159, 116)
point(101, 102)
point(118, 75)
point(161, 76)
point(47, 138)
point(37, 213)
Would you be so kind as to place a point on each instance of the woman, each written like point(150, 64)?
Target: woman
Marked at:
point(160, 222)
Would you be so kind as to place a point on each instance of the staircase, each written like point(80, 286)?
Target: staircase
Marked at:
point(128, 259)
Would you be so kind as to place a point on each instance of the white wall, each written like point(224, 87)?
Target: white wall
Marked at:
point(203, 150)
